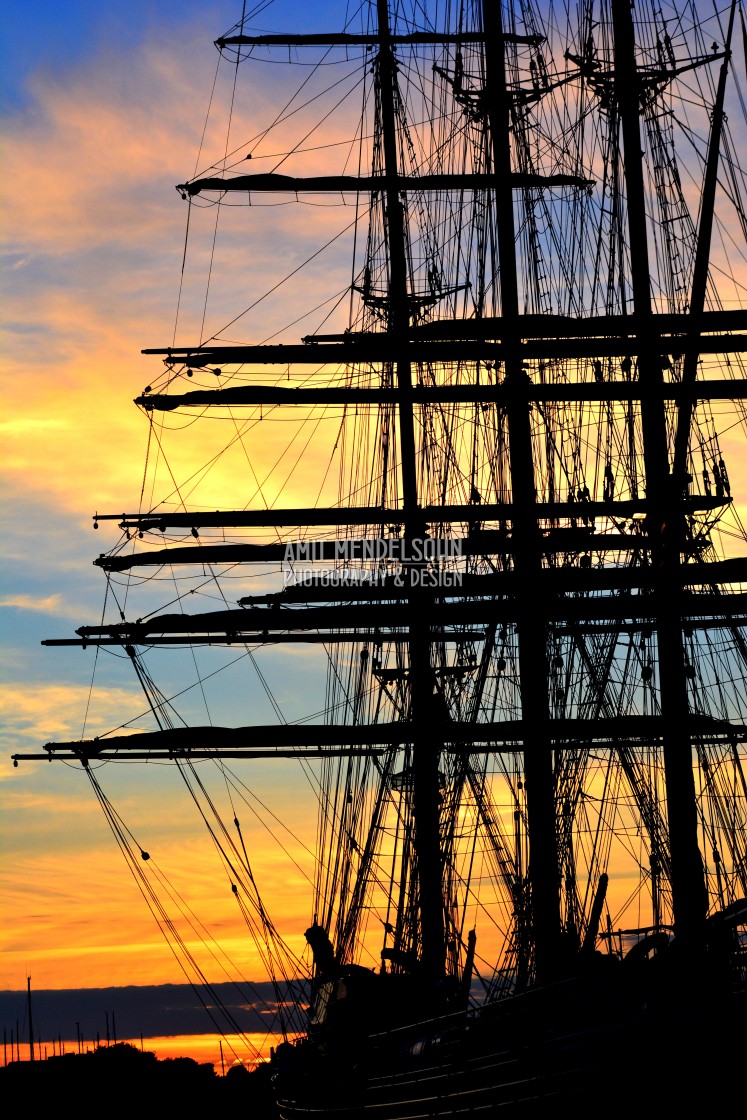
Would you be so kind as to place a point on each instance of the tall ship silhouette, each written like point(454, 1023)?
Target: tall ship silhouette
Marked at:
point(513, 565)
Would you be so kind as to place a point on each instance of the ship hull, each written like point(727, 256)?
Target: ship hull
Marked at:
point(618, 1042)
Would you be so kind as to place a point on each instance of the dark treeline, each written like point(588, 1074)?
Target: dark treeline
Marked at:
point(123, 1079)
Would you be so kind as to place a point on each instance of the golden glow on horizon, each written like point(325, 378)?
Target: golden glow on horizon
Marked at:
point(246, 1050)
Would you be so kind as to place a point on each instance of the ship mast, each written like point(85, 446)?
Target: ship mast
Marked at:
point(531, 625)
point(426, 747)
point(688, 884)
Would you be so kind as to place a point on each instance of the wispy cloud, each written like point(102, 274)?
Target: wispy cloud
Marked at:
point(50, 604)
point(34, 714)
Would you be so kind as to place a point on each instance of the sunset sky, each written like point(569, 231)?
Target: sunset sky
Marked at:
point(104, 111)
point(104, 106)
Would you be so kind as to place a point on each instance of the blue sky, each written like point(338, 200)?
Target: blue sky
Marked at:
point(59, 35)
